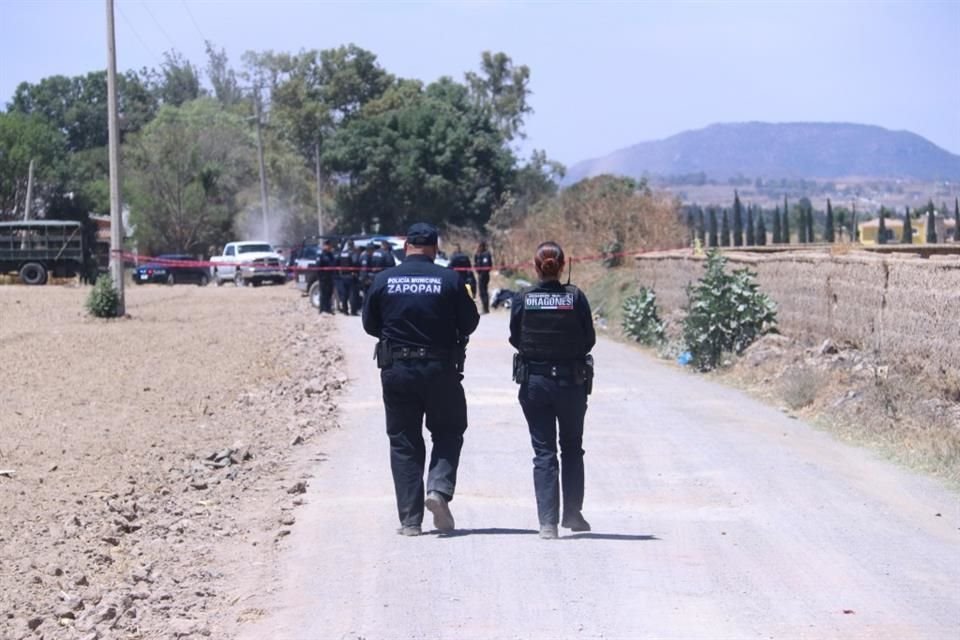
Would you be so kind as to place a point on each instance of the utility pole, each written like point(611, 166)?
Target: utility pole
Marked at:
point(264, 203)
point(116, 217)
point(319, 198)
point(26, 205)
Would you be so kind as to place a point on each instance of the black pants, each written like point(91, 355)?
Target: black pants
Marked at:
point(547, 403)
point(356, 302)
point(484, 283)
point(344, 293)
point(412, 390)
point(326, 294)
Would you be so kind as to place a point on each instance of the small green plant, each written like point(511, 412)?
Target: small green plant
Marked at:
point(726, 313)
point(640, 319)
point(104, 299)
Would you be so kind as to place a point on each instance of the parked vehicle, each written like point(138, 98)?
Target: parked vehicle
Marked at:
point(36, 249)
point(172, 269)
point(248, 263)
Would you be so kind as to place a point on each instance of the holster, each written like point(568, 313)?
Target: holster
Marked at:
point(383, 354)
point(584, 373)
point(520, 371)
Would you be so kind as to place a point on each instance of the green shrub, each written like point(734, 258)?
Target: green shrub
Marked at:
point(104, 299)
point(726, 313)
point(640, 319)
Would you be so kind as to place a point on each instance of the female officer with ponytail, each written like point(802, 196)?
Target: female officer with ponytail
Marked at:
point(552, 329)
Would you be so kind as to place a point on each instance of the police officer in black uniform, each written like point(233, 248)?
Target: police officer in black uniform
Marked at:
point(483, 263)
point(345, 276)
point(365, 267)
point(552, 328)
point(422, 316)
point(356, 302)
point(326, 261)
point(460, 263)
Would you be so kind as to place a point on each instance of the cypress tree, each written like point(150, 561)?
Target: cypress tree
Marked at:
point(737, 220)
point(713, 228)
point(810, 235)
point(956, 219)
point(776, 226)
point(725, 230)
point(854, 229)
point(828, 230)
point(882, 228)
point(701, 227)
point(761, 229)
point(691, 231)
point(785, 227)
point(931, 225)
point(751, 233)
point(907, 228)
point(801, 224)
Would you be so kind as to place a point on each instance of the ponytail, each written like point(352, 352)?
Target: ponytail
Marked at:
point(549, 259)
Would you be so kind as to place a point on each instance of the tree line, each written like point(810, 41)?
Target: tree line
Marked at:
point(750, 226)
point(339, 133)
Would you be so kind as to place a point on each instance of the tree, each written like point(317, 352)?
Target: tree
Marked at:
point(180, 81)
point(500, 89)
point(223, 79)
point(435, 157)
point(931, 224)
point(701, 227)
point(24, 138)
point(761, 229)
point(737, 220)
point(907, 228)
point(751, 232)
point(777, 238)
point(785, 227)
point(828, 234)
point(854, 227)
point(956, 219)
point(714, 242)
point(725, 230)
point(691, 227)
point(882, 227)
point(187, 169)
point(810, 235)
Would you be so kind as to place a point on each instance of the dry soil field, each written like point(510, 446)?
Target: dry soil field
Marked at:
point(147, 460)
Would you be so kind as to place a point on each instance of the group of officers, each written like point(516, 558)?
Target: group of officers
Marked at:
point(350, 273)
point(422, 315)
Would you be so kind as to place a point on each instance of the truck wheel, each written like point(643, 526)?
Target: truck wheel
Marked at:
point(33, 273)
point(204, 280)
point(256, 282)
point(238, 279)
point(314, 294)
point(171, 280)
point(216, 278)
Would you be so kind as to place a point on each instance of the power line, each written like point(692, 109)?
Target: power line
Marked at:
point(159, 26)
point(194, 21)
point(135, 33)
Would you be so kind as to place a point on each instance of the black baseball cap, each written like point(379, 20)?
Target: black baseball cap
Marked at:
point(421, 233)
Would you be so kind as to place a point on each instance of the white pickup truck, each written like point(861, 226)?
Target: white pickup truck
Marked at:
point(248, 263)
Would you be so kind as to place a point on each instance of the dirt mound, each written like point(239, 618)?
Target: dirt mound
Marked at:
point(150, 458)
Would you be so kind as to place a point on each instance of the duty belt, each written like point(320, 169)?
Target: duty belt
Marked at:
point(419, 353)
point(551, 370)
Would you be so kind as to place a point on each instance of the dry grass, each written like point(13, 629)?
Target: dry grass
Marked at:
point(800, 386)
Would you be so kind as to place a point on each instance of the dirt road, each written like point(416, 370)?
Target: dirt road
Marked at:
point(714, 516)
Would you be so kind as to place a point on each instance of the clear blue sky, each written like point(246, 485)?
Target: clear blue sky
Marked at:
point(604, 75)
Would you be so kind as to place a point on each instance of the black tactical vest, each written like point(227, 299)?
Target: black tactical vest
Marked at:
point(550, 326)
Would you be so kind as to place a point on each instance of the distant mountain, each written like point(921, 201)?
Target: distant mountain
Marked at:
point(788, 150)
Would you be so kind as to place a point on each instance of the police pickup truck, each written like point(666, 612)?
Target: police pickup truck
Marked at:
point(248, 263)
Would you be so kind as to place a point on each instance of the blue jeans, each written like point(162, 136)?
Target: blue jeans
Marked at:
point(414, 390)
point(547, 404)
